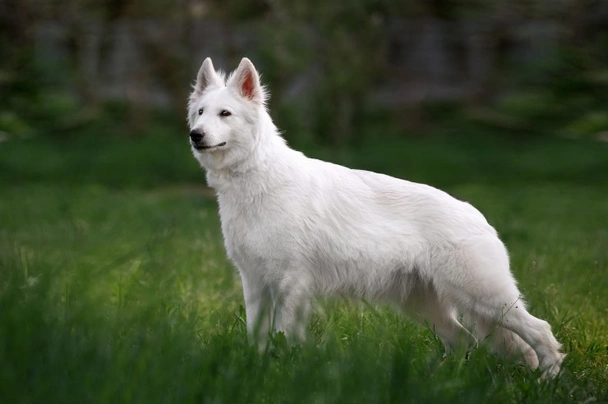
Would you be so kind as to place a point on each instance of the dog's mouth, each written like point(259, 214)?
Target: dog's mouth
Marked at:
point(205, 147)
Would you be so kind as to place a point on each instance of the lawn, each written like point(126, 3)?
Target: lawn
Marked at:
point(115, 287)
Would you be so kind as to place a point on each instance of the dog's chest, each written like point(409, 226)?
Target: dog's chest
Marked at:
point(255, 231)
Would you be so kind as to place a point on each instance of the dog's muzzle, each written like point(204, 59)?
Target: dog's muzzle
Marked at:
point(197, 140)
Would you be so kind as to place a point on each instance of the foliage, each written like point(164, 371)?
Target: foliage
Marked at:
point(594, 123)
point(35, 101)
point(566, 96)
point(347, 49)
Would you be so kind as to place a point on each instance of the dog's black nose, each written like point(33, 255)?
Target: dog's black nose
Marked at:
point(196, 135)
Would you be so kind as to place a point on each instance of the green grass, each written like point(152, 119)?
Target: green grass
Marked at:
point(114, 285)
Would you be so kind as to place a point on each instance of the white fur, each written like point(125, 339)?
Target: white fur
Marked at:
point(297, 227)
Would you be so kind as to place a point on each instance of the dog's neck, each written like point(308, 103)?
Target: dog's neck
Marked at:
point(264, 169)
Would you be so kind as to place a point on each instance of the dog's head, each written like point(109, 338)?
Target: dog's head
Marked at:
point(224, 115)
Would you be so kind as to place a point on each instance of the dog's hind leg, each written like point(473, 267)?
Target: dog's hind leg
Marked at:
point(424, 305)
point(505, 342)
point(536, 333)
point(484, 287)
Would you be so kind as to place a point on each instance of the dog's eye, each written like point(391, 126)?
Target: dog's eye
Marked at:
point(200, 111)
point(225, 113)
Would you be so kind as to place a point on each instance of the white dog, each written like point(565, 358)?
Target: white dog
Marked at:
point(296, 227)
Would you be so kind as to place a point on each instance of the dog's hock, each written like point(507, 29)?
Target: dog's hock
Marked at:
point(246, 81)
point(207, 77)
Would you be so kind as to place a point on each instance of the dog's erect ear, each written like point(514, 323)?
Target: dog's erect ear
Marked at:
point(246, 82)
point(207, 77)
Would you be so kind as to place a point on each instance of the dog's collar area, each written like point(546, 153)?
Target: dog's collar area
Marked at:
point(210, 147)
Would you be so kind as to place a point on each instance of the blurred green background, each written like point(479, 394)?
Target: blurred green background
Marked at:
point(114, 285)
point(524, 67)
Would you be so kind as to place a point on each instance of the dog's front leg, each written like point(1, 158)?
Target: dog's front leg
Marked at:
point(258, 308)
point(292, 301)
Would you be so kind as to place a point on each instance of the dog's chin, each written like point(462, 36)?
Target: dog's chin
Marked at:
point(208, 148)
